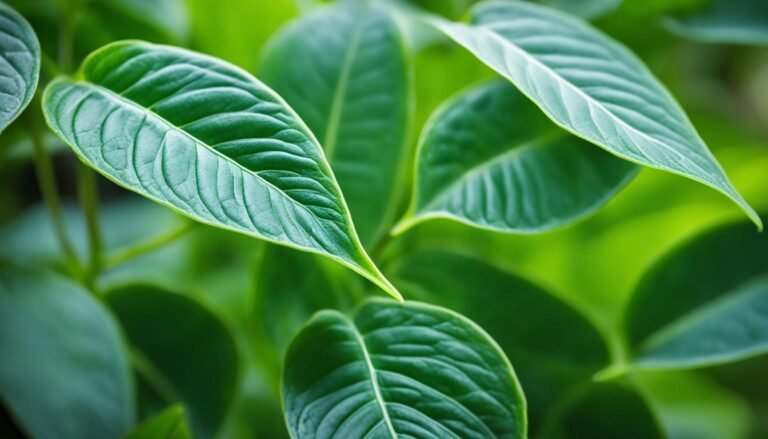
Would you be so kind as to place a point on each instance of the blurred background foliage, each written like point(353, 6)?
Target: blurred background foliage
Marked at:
point(239, 301)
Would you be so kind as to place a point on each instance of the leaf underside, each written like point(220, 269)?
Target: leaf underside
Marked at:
point(19, 64)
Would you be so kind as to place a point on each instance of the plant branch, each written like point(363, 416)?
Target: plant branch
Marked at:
point(89, 201)
point(148, 246)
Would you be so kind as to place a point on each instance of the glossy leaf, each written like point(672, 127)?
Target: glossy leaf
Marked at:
point(490, 159)
point(725, 21)
point(169, 424)
point(63, 370)
point(209, 140)
point(590, 85)
point(547, 367)
point(704, 303)
point(19, 64)
point(356, 100)
point(183, 351)
point(399, 370)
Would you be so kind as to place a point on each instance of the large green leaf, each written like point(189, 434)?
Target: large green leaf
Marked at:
point(704, 303)
point(547, 367)
point(725, 21)
point(490, 159)
point(209, 140)
point(19, 64)
point(356, 100)
point(183, 352)
point(169, 424)
point(63, 370)
point(399, 370)
point(590, 85)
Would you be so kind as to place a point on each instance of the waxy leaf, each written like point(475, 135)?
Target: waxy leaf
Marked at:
point(590, 85)
point(399, 370)
point(19, 64)
point(207, 139)
point(63, 370)
point(490, 159)
point(182, 351)
point(725, 21)
point(345, 71)
point(169, 424)
point(705, 303)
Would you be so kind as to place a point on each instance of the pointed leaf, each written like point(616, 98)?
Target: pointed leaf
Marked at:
point(590, 85)
point(63, 370)
point(19, 64)
point(207, 139)
point(169, 424)
point(399, 370)
point(356, 99)
point(490, 159)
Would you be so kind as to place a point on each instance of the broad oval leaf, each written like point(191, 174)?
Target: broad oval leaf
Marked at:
point(168, 424)
point(725, 21)
point(399, 370)
point(207, 139)
point(182, 351)
point(705, 303)
point(356, 100)
point(547, 367)
point(592, 86)
point(19, 64)
point(63, 370)
point(490, 159)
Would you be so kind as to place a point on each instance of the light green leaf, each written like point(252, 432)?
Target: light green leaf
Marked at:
point(547, 367)
point(19, 64)
point(169, 424)
point(356, 100)
point(63, 370)
point(399, 370)
point(208, 140)
point(590, 85)
point(584, 8)
point(490, 159)
point(182, 351)
point(705, 303)
point(725, 21)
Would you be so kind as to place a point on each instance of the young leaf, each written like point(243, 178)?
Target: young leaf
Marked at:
point(706, 303)
point(63, 370)
point(181, 349)
point(399, 370)
point(725, 21)
point(169, 424)
point(19, 64)
point(357, 99)
point(207, 139)
point(490, 159)
point(590, 85)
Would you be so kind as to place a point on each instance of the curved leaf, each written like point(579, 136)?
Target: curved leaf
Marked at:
point(592, 86)
point(725, 21)
point(705, 303)
point(169, 424)
point(356, 100)
point(182, 350)
point(546, 366)
point(209, 140)
point(399, 370)
point(19, 64)
point(63, 370)
point(490, 159)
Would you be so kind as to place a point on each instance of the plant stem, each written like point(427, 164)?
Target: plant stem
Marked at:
point(150, 245)
point(89, 203)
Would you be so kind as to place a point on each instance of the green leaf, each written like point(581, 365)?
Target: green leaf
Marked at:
point(169, 424)
point(182, 350)
point(584, 8)
point(490, 159)
point(725, 21)
point(705, 303)
point(63, 370)
point(357, 100)
point(399, 370)
point(547, 367)
point(590, 85)
point(19, 64)
point(168, 16)
point(604, 410)
point(208, 140)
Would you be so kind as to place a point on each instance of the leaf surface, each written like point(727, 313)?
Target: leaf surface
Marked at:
point(19, 64)
point(208, 140)
point(590, 85)
point(399, 370)
point(490, 159)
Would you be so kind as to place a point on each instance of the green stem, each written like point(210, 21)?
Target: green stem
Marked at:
point(150, 245)
point(89, 203)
